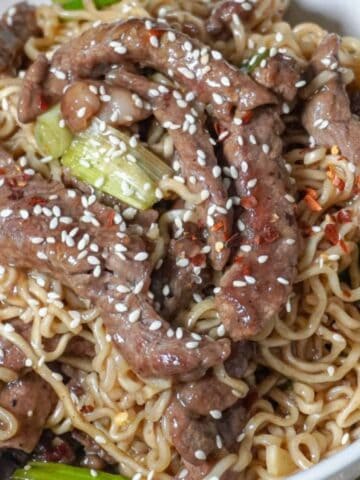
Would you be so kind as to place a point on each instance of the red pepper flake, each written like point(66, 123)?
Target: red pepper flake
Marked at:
point(332, 234)
point(198, 260)
point(312, 193)
point(43, 104)
point(36, 201)
point(239, 259)
point(218, 226)
point(270, 233)
point(2, 171)
point(110, 219)
point(233, 240)
point(249, 202)
point(312, 204)
point(335, 179)
point(344, 247)
point(344, 216)
point(87, 409)
point(247, 116)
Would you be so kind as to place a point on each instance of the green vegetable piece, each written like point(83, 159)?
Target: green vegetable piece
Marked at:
point(52, 139)
point(250, 65)
point(54, 471)
point(108, 162)
point(78, 4)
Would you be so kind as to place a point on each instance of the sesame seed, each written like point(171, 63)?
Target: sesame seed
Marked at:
point(186, 73)
point(121, 307)
point(182, 262)
point(290, 241)
point(263, 258)
point(245, 248)
point(279, 37)
point(216, 55)
point(300, 84)
point(334, 257)
point(250, 280)
point(251, 183)
point(134, 315)
point(283, 280)
point(81, 112)
point(200, 454)
point(7, 212)
point(93, 260)
point(331, 371)
point(338, 338)
point(100, 439)
point(244, 166)
point(265, 148)
point(171, 36)
point(345, 438)
point(42, 255)
point(220, 330)
point(141, 256)
point(191, 345)
point(253, 139)
point(285, 108)
point(219, 442)
point(218, 99)
point(239, 284)
point(155, 325)
point(216, 414)
point(289, 198)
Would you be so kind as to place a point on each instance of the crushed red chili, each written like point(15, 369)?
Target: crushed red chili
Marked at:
point(331, 233)
point(37, 201)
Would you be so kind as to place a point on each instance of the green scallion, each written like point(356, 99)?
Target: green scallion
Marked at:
point(78, 4)
point(51, 137)
point(253, 62)
point(109, 161)
point(58, 471)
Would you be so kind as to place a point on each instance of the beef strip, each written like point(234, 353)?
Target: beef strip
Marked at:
point(12, 357)
point(327, 114)
point(279, 74)
point(17, 25)
point(199, 70)
point(196, 156)
point(222, 16)
point(107, 265)
point(192, 426)
point(30, 399)
point(241, 354)
point(260, 279)
point(174, 285)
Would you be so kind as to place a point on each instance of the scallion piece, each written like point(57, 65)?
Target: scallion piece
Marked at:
point(52, 138)
point(107, 161)
point(250, 65)
point(58, 471)
point(78, 4)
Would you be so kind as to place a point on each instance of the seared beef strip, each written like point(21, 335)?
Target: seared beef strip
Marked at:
point(30, 399)
point(281, 74)
point(222, 15)
point(198, 69)
point(195, 153)
point(206, 416)
point(174, 285)
point(49, 229)
point(17, 25)
point(260, 279)
point(327, 114)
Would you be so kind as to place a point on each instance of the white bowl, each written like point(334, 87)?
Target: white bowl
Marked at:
point(342, 16)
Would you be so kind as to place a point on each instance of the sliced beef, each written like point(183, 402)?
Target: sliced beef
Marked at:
point(281, 73)
point(147, 44)
point(95, 253)
point(223, 13)
point(175, 283)
point(241, 354)
point(95, 457)
point(203, 418)
point(17, 25)
point(327, 114)
point(30, 399)
point(260, 279)
point(196, 156)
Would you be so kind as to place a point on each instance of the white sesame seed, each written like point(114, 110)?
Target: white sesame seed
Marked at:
point(290, 241)
point(331, 371)
point(239, 284)
point(81, 112)
point(300, 84)
point(155, 325)
point(121, 307)
point(263, 258)
point(141, 256)
point(216, 414)
point(289, 198)
point(345, 438)
point(252, 183)
point(265, 148)
point(252, 139)
point(186, 73)
point(100, 439)
point(93, 260)
point(283, 280)
point(218, 99)
point(250, 280)
point(41, 255)
point(191, 345)
point(220, 330)
point(7, 212)
point(200, 454)
point(244, 166)
point(134, 315)
point(245, 248)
